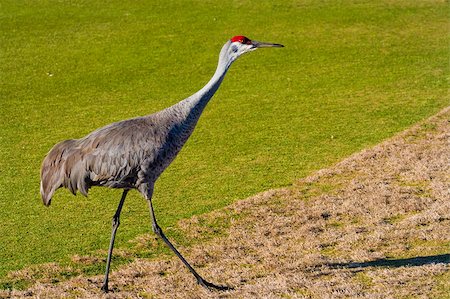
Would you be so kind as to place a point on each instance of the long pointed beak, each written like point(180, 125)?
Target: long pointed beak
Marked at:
point(258, 44)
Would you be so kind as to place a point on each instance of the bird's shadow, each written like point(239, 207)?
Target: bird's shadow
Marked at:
point(394, 263)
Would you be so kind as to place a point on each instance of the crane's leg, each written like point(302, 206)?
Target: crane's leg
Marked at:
point(115, 225)
point(158, 231)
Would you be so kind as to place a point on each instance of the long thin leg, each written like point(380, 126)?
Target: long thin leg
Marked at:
point(160, 233)
point(115, 225)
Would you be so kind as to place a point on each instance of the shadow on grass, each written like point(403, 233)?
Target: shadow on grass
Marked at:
point(395, 263)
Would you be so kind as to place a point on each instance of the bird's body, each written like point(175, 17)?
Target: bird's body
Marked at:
point(123, 155)
point(132, 154)
point(127, 153)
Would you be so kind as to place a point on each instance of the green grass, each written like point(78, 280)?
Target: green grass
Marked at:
point(352, 74)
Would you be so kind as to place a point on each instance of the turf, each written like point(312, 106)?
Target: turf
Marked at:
point(380, 231)
point(352, 74)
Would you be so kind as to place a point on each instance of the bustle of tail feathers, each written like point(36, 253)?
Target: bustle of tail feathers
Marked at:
point(53, 171)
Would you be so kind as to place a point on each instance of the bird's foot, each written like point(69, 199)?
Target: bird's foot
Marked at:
point(104, 288)
point(210, 286)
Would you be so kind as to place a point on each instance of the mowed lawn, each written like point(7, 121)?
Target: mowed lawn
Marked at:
point(352, 74)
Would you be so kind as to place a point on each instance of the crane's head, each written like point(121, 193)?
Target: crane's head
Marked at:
point(241, 44)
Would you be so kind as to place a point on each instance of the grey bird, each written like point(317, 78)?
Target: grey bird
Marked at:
point(132, 154)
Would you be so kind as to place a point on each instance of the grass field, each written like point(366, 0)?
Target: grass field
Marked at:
point(374, 225)
point(352, 74)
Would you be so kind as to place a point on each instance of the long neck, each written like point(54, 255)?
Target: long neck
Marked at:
point(193, 106)
point(181, 118)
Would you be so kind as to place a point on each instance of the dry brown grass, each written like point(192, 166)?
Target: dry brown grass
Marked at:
point(375, 225)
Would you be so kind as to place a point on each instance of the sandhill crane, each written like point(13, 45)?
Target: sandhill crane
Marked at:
point(132, 154)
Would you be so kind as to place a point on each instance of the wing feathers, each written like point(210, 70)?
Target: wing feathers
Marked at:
point(52, 172)
point(109, 156)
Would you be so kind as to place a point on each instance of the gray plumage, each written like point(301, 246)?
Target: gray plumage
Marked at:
point(132, 154)
point(124, 154)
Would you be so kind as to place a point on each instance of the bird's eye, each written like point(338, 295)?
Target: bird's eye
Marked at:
point(234, 48)
point(245, 41)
